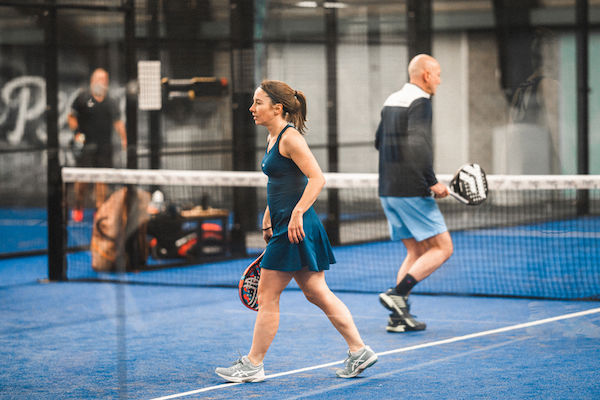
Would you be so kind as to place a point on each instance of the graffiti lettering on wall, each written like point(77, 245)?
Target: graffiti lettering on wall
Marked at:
point(22, 108)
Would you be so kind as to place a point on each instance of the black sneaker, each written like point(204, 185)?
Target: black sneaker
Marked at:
point(396, 303)
point(398, 324)
point(400, 308)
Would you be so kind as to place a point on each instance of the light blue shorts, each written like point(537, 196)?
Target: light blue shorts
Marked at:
point(413, 217)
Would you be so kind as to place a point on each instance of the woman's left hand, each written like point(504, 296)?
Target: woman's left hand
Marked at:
point(267, 234)
point(295, 227)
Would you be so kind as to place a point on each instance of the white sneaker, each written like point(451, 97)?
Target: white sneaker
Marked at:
point(354, 365)
point(242, 370)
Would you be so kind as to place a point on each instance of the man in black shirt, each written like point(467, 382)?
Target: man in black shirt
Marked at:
point(93, 117)
point(406, 182)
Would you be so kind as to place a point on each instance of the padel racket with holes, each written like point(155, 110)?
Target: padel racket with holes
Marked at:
point(469, 185)
point(248, 286)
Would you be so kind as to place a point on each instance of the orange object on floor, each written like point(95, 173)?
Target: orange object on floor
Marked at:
point(77, 215)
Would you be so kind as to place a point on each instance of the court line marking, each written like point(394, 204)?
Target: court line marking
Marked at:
point(537, 233)
point(349, 382)
point(400, 350)
point(23, 222)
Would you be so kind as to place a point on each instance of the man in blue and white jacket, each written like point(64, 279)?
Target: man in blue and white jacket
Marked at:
point(406, 182)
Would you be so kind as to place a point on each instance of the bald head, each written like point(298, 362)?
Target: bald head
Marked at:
point(425, 72)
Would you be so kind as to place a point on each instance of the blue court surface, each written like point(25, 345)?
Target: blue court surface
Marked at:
point(93, 340)
point(553, 259)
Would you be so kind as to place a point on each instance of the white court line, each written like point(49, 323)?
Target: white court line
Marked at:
point(412, 367)
point(23, 222)
point(400, 350)
point(537, 233)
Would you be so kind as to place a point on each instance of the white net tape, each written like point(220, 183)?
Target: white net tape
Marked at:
point(334, 180)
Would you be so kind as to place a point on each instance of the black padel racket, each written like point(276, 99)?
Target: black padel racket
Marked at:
point(469, 185)
point(248, 286)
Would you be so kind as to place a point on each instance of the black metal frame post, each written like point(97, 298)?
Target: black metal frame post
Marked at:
point(418, 22)
point(154, 123)
point(514, 36)
point(56, 215)
point(131, 78)
point(243, 129)
point(583, 90)
point(132, 244)
point(332, 224)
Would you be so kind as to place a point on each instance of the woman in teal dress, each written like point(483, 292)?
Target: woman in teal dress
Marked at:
point(297, 244)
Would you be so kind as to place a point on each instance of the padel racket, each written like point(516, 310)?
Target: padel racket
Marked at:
point(248, 286)
point(469, 185)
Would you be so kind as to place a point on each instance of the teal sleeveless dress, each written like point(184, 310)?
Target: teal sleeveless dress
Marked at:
point(284, 189)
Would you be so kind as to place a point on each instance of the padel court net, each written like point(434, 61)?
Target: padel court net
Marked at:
point(535, 236)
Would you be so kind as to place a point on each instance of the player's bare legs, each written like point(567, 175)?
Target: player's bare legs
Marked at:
point(315, 289)
point(422, 259)
point(251, 369)
point(270, 286)
point(414, 250)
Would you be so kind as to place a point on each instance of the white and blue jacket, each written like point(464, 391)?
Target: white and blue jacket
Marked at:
point(404, 141)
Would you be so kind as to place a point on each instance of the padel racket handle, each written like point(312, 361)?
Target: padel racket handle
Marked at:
point(457, 196)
